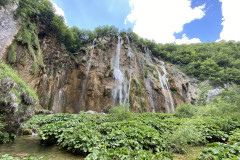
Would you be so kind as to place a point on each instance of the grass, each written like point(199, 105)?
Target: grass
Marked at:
point(6, 71)
point(192, 153)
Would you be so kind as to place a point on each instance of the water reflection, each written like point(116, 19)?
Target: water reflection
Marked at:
point(30, 146)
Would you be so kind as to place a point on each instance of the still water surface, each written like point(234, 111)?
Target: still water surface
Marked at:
point(31, 146)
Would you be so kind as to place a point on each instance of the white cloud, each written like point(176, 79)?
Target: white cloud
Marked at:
point(59, 11)
point(159, 19)
point(231, 24)
point(186, 40)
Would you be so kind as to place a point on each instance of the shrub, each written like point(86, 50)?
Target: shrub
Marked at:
point(177, 140)
point(120, 113)
point(186, 111)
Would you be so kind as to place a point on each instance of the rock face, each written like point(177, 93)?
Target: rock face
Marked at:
point(8, 27)
point(110, 72)
point(92, 81)
point(187, 87)
point(15, 104)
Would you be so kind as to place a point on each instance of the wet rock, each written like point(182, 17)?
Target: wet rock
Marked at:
point(17, 106)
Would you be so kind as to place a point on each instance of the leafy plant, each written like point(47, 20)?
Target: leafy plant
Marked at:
point(221, 151)
point(120, 112)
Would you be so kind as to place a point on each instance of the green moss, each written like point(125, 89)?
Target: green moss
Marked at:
point(34, 68)
point(11, 58)
point(16, 93)
point(26, 37)
point(6, 71)
point(24, 59)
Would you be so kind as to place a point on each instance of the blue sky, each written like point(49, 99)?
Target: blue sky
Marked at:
point(165, 21)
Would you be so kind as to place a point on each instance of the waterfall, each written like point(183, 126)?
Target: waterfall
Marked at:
point(164, 84)
point(59, 100)
point(81, 100)
point(129, 55)
point(129, 48)
point(120, 91)
point(165, 88)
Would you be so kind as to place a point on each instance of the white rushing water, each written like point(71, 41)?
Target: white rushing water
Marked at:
point(165, 89)
point(59, 101)
point(81, 100)
point(164, 84)
point(122, 88)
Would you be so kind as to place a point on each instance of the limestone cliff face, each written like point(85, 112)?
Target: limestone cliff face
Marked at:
point(8, 27)
point(88, 80)
point(110, 72)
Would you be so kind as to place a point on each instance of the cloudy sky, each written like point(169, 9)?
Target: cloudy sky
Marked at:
point(165, 21)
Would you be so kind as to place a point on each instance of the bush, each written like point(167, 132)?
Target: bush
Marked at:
point(177, 140)
point(120, 113)
point(186, 111)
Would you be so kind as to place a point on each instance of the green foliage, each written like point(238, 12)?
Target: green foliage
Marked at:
point(186, 111)
point(221, 151)
point(5, 137)
point(6, 71)
point(143, 135)
point(178, 139)
point(120, 112)
point(11, 57)
point(235, 136)
point(34, 68)
point(3, 2)
point(202, 94)
point(107, 31)
point(127, 154)
point(217, 62)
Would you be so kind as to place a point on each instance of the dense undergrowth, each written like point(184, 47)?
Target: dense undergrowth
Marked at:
point(147, 135)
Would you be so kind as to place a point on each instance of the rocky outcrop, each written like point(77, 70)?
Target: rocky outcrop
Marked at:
point(65, 85)
point(88, 80)
point(186, 86)
point(8, 27)
point(16, 104)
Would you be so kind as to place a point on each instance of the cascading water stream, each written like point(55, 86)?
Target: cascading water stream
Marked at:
point(120, 90)
point(81, 101)
point(164, 84)
point(127, 97)
point(166, 91)
point(59, 100)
